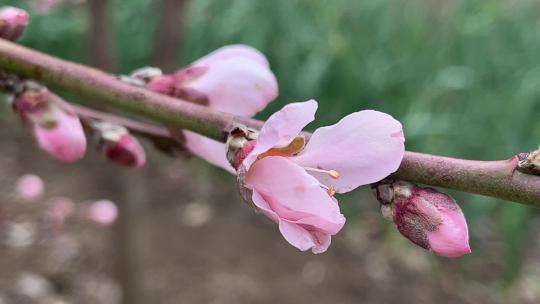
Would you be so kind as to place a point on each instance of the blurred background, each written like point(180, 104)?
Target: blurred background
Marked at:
point(462, 76)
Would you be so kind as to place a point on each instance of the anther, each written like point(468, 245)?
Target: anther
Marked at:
point(329, 189)
point(332, 173)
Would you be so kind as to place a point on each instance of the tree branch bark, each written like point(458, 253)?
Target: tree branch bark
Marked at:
point(492, 178)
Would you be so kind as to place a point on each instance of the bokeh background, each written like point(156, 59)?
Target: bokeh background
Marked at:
point(462, 76)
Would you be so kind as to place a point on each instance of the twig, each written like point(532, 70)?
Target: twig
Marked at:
point(493, 178)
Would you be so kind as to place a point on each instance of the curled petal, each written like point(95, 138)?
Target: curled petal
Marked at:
point(304, 239)
point(208, 149)
point(288, 195)
point(65, 140)
point(236, 85)
point(363, 147)
point(282, 128)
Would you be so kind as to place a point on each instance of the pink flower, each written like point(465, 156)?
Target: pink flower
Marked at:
point(119, 145)
point(427, 217)
point(103, 212)
point(294, 184)
point(13, 21)
point(56, 127)
point(29, 187)
point(234, 79)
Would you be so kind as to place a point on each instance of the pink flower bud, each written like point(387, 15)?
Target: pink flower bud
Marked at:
point(103, 212)
point(126, 151)
point(57, 129)
point(119, 145)
point(13, 21)
point(29, 187)
point(65, 141)
point(427, 217)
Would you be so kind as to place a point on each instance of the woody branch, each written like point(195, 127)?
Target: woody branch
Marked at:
point(497, 179)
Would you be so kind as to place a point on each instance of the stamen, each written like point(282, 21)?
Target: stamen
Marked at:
point(332, 173)
point(330, 190)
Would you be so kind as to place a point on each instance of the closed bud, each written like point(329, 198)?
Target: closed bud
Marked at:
point(56, 127)
point(119, 145)
point(427, 217)
point(13, 21)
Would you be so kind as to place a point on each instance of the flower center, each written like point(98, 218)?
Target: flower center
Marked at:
point(291, 149)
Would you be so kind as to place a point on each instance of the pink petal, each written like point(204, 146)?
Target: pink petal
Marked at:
point(236, 85)
point(126, 151)
point(13, 21)
point(103, 212)
point(65, 141)
point(233, 51)
point(282, 127)
point(451, 239)
point(29, 187)
point(303, 239)
point(208, 149)
point(363, 147)
point(288, 195)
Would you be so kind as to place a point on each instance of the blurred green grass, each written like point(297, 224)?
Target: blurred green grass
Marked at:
point(462, 76)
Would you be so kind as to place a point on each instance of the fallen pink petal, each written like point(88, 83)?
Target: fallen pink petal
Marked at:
point(103, 212)
point(30, 187)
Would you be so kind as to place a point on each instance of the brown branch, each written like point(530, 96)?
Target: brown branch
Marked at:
point(496, 178)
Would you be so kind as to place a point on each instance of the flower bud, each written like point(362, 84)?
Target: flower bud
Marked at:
point(119, 145)
point(13, 21)
point(56, 127)
point(427, 217)
point(529, 162)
